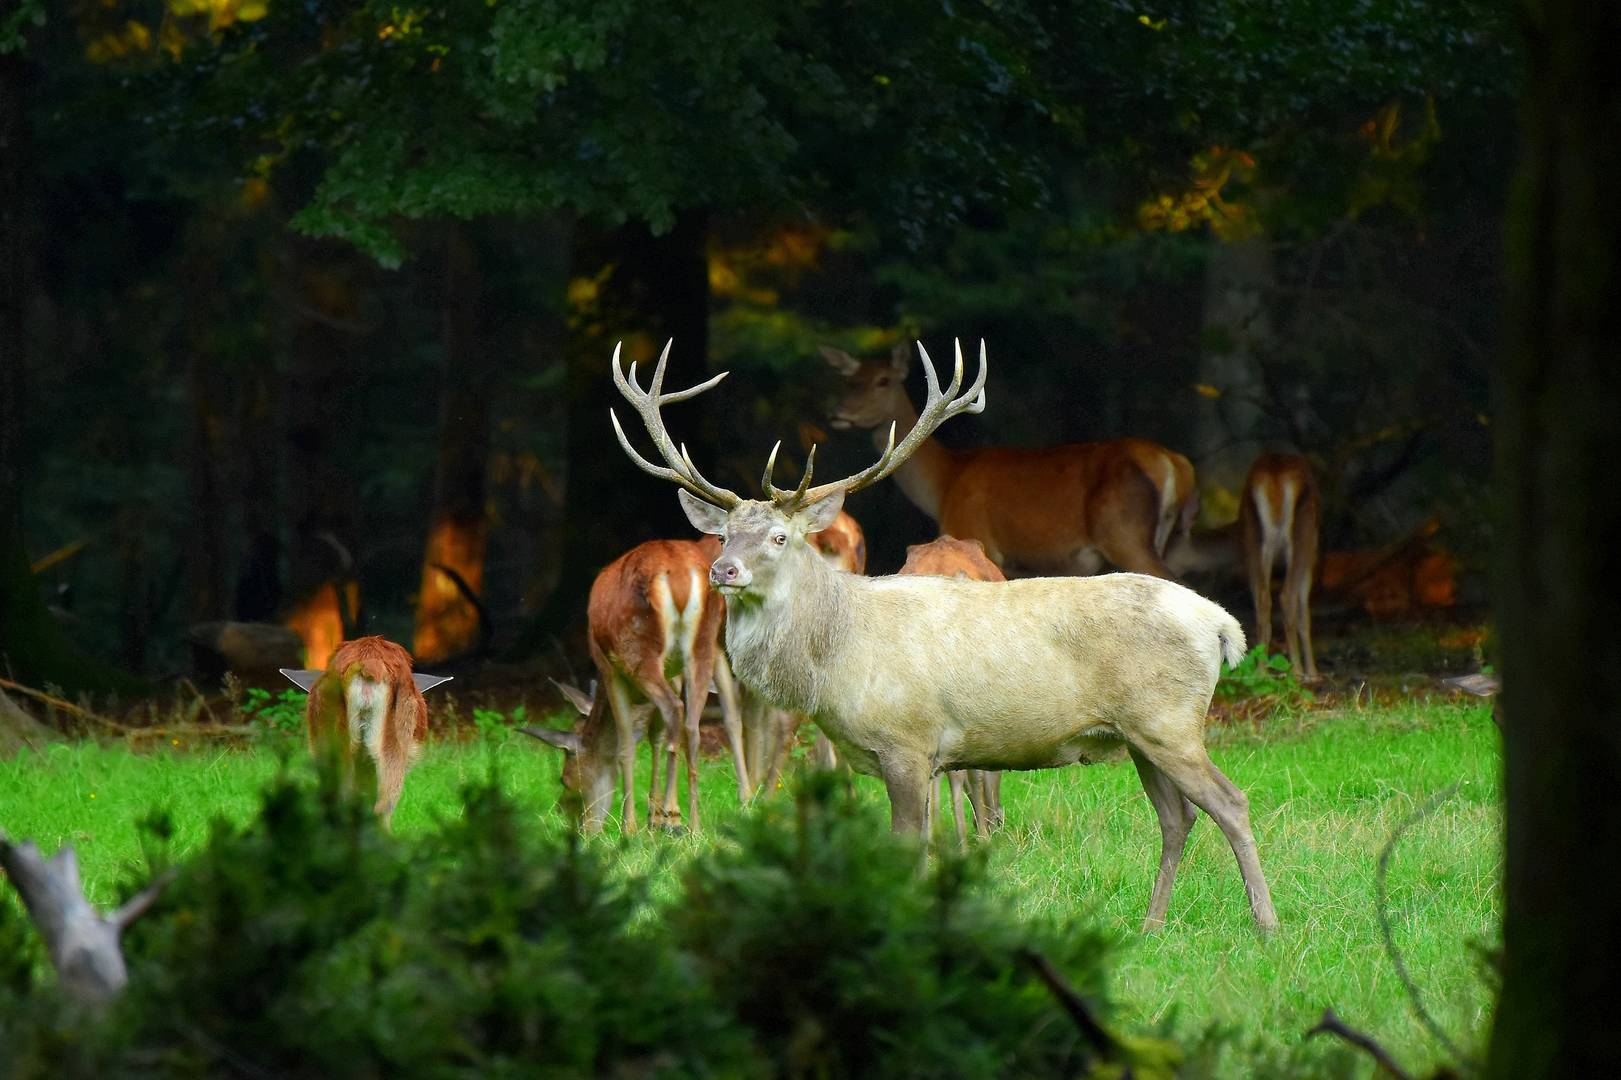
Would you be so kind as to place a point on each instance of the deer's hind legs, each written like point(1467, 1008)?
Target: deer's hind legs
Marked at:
point(1176, 817)
point(1197, 778)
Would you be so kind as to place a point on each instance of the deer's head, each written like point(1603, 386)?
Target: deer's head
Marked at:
point(762, 537)
point(588, 757)
point(874, 391)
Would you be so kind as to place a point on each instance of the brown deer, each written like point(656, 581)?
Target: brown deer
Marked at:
point(1052, 510)
point(368, 697)
point(1043, 672)
point(654, 635)
point(1278, 514)
point(946, 556)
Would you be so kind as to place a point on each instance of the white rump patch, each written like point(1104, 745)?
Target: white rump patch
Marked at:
point(679, 626)
point(367, 704)
point(1169, 511)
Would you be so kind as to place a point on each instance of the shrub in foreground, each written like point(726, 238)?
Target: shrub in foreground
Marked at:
point(311, 943)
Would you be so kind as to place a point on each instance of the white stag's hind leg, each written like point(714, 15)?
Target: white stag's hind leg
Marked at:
point(1176, 817)
point(1197, 777)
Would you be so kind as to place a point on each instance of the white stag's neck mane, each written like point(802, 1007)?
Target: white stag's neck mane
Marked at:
point(924, 476)
point(783, 642)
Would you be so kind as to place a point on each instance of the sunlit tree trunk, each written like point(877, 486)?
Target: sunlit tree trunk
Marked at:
point(458, 528)
point(1558, 431)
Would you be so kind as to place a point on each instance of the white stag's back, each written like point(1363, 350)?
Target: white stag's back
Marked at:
point(1025, 674)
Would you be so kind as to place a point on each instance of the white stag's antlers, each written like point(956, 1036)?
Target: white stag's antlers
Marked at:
point(678, 467)
point(647, 404)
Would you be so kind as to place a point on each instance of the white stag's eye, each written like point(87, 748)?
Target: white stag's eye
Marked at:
point(779, 538)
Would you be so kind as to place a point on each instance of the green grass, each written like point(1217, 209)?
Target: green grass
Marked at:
point(1326, 789)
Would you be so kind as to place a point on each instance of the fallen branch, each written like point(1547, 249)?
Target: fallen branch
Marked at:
point(1331, 1024)
point(193, 731)
point(59, 703)
point(83, 944)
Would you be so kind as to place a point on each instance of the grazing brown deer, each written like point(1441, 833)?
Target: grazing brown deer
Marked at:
point(368, 697)
point(1278, 514)
point(1042, 672)
point(1066, 509)
point(946, 556)
point(654, 635)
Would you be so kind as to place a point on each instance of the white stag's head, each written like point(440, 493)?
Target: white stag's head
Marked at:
point(761, 536)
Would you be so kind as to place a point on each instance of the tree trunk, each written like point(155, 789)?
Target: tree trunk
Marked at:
point(33, 648)
point(658, 290)
point(1558, 439)
point(528, 423)
point(1237, 326)
point(323, 495)
point(446, 623)
point(207, 552)
point(259, 592)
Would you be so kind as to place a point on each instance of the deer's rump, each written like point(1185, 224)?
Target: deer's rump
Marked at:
point(1038, 508)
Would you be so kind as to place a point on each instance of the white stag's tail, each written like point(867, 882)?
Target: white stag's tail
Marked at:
point(1232, 639)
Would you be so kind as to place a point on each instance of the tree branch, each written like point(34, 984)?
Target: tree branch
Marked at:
point(84, 945)
point(1331, 1024)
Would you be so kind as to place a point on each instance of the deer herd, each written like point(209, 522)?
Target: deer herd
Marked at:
point(967, 662)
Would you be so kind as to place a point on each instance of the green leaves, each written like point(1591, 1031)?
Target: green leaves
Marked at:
point(14, 24)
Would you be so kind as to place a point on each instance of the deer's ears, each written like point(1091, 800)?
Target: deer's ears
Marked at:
point(305, 679)
point(841, 361)
point(900, 358)
point(567, 741)
point(583, 700)
point(704, 517)
point(820, 514)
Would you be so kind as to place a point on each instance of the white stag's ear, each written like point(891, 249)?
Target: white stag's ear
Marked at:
point(567, 741)
point(704, 517)
point(304, 680)
point(580, 699)
point(424, 683)
point(841, 361)
point(820, 514)
point(900, 359)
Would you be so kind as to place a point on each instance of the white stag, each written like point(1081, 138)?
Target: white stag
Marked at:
point(911, 676)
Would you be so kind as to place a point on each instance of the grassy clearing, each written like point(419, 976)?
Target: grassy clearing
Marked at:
point(1327, 789)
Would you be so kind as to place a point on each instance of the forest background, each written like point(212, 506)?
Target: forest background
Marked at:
point(299, 302)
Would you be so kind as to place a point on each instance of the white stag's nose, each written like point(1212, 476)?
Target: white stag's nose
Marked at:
point(727, 572)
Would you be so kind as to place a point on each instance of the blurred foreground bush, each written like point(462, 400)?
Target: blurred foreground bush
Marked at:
point(806, 944)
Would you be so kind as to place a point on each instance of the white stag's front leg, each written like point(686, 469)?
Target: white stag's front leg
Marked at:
point(907, 778)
